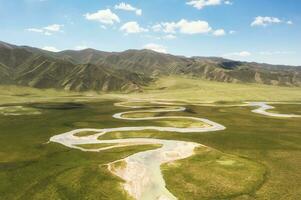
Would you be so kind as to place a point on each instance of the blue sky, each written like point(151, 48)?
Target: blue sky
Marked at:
point(252, 30)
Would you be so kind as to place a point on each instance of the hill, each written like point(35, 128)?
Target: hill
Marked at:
point(37, 68)
point(91, 69)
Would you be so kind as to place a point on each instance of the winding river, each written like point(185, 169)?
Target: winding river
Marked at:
point(142, 174)
point(264, 107)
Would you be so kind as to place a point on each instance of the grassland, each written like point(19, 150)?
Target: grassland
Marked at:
point(121, 164)
point(85, 133)
point(95, 146)
point(18, 94)
point(286, 108)
point(181, 123)
point(18, 110)
point(32, 169)
point(141, 114)
point(272, 143)
point(188, 89)
point(172, 88)
point(210, 174)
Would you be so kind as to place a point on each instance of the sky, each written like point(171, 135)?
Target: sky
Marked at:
point(266, 31)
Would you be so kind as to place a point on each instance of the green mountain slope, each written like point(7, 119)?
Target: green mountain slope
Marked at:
point(154, 64)
point(95, 77)
point(91, 69)
point(37, 68)
point(83, 56)
point(5, 74)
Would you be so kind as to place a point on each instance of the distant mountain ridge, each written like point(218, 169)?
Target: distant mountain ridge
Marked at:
point(37, 68)
point(91, 69)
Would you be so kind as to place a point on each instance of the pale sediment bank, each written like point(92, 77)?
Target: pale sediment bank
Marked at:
point(264, 107)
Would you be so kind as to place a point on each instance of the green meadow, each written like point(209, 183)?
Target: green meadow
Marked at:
point(197, 90)
point(256, 157)
point(174, 88)
point(263, 150)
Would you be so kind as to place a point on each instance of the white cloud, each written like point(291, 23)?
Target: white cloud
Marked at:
point(139, 12)
point(169, 37)
point(193, 27)
point(35, 30)
point(289, 22)
point(103, 16)
point(232, 32)
point(53, 27)
point(200, 4)
point(244, 54)
point(50, 48)
point(219, 32)
point(157, 27)
point(264, 21)
point(125, 6)
point(48, 30)
point(183, 26)
point(103, 27)
point(80, 47)
point(168, 27)
point(128, 7)
point(237, 54)
point(156, 47)
point(132, 27)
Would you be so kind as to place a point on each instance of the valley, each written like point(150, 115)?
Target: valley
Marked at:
point(75, 125)
point(128, 71)
point(150, 100)
point(224, 153)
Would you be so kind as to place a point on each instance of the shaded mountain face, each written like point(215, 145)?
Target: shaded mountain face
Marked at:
point(127, 71)
point(83, 57)
point(153, 64)
point(37, 68)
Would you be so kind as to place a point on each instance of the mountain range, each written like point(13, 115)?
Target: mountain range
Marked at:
point(130, 70)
